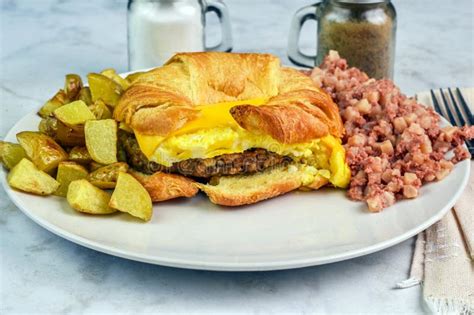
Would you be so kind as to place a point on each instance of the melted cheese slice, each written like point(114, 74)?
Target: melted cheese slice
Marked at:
point(210, 116)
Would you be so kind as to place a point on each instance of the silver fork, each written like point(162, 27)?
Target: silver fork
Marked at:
point(459, 116)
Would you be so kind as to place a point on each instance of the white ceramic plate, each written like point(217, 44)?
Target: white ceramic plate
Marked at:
point(296, 230)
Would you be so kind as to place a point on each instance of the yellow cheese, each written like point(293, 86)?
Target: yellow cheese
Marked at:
point(210, 116)
point(148, 144)
point(216, 115)
point(340, 171)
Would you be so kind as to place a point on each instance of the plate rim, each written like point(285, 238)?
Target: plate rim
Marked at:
point(223, 266)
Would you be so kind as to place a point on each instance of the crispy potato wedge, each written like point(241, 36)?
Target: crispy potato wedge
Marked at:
point(106, 176)
point(25, 176)
point(68, 172)
point(11, 154)
point(133, 76)
point(85, 95)
point(74, 113)
point(61, 133)
point(112, 74)
point(70, 137)
point(48, 126)
point(101, 140)
point(93, 166)
point(103, 185)
point(72, 86)
point(85, 197)
point(131, 197)
point(103, 88)
point(165, 186)
point(45, 153)
point(58, 100)
point(80, 155)
point(100, 110)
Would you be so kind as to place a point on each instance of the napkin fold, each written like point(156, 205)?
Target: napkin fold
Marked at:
point(448, 280)
point(464, 211)
point(443, 259)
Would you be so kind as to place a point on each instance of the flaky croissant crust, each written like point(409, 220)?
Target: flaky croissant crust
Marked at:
point(163, 100)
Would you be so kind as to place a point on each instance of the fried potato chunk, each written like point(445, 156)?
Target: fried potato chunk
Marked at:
point(75, 113)
point(101, 140)
point(70, 136)
point(104, 88)
point(131, 197)
point(93, 166)
point(72, 86)
point(80, 155)
point(61, 133)
point(68, 172)
point(133, 76)
point(100, 110)
point(112, 74)
point(85, 197)
point(48, 126)
point(11, 154)
point(58, 100)
point(25, 176)
point(45, 153)
point(85, 95)
point(106, 176)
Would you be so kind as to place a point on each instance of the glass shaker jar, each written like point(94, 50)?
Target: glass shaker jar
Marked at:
point(362, 31)
point(158, 29)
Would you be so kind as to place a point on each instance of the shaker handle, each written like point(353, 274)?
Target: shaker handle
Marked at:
point(222, 13)
point(294, 53)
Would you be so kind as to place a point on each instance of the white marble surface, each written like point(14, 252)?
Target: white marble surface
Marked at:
point(41, 40)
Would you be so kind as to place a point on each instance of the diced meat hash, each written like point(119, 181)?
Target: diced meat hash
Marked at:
point(393, 143)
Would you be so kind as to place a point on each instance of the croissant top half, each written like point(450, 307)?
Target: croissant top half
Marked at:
point(163, 100)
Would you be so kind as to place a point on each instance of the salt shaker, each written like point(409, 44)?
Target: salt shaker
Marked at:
point(158, 29)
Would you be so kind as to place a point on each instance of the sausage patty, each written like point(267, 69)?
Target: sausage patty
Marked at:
point(247, 162)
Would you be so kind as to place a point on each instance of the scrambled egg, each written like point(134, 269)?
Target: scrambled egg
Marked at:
point(215, 133)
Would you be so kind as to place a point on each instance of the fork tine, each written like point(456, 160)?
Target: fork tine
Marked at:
point(465, 107)
point(456, 108)
point(435, 103)
point(470, 143)
point(448, 110)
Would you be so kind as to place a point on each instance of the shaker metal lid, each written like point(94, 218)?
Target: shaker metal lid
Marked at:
point(362, 1)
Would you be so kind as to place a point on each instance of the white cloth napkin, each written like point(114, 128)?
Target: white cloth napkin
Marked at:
point(443, 260)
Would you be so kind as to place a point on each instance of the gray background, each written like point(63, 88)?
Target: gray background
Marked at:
point(40, 41)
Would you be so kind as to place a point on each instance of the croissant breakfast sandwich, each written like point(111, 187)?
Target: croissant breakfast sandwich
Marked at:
point(239, 127)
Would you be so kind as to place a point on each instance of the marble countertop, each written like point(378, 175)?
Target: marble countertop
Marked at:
point(42, 40)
